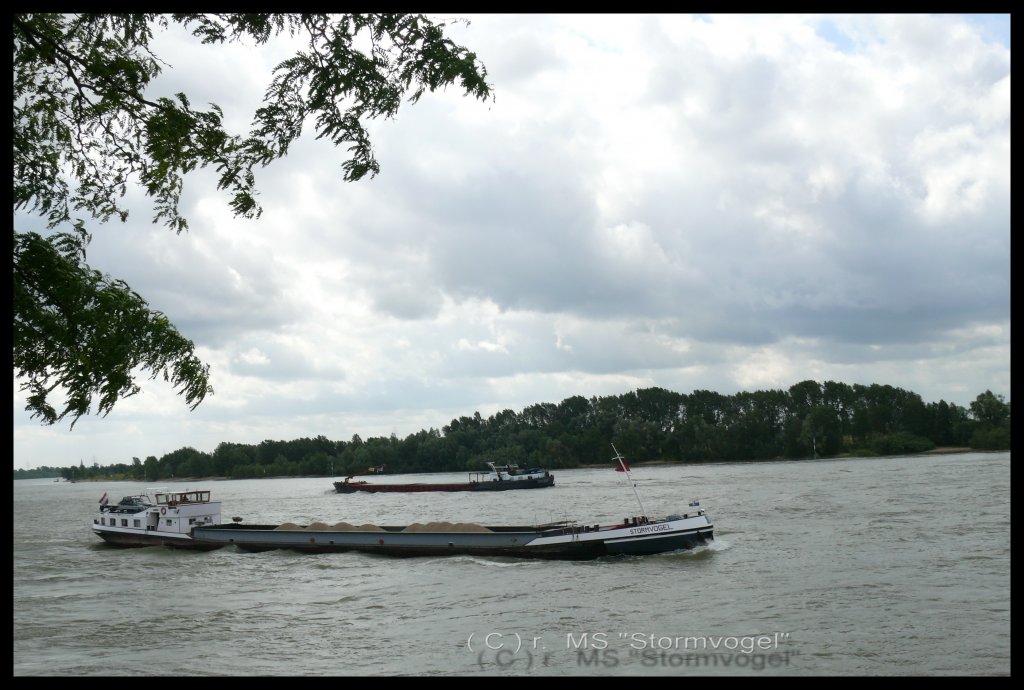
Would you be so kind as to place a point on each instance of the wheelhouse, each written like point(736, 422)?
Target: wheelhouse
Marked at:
point(172, 499)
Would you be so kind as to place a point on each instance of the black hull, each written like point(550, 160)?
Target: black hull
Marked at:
point(508, 485)
point(662, 545)
point(562, 552)
point(575, 553)
point(132, 541)
point(259, 538)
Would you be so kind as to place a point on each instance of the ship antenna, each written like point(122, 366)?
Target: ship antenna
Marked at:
point(625, 468)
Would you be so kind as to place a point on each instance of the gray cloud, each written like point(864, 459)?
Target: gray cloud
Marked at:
point(722, 203)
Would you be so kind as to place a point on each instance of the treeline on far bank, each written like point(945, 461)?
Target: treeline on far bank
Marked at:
point(809, 420)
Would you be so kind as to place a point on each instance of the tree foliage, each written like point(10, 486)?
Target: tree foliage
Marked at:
point(79, 329)
point(649, 424)
point(87, 128)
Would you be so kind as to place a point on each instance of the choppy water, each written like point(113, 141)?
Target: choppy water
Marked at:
point(881, 566)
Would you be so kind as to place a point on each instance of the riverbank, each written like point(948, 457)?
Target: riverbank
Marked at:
point(950, 450)
point(945, 450)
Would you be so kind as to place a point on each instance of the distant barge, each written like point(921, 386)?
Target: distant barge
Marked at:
point(500, 478)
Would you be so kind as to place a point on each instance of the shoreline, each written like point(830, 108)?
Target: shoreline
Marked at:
point(944, 450)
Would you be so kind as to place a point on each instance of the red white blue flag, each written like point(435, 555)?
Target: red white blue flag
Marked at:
point(103, 499)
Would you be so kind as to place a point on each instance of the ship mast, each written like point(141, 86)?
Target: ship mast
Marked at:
point(625, 468)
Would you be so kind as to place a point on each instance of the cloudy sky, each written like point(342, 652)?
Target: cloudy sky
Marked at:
point(727, 203)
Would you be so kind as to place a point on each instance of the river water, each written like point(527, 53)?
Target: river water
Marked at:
point(874, 566)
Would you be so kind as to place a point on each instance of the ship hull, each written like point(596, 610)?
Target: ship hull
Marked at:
point(565, 543)
point(508, 485)
point(140, 539)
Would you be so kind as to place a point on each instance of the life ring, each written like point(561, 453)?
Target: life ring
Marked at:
point(163, 511)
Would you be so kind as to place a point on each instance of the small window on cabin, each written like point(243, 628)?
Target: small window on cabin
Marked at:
point(169, 523)
point(138, 523)
point(124, 522)
point(191, 521)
